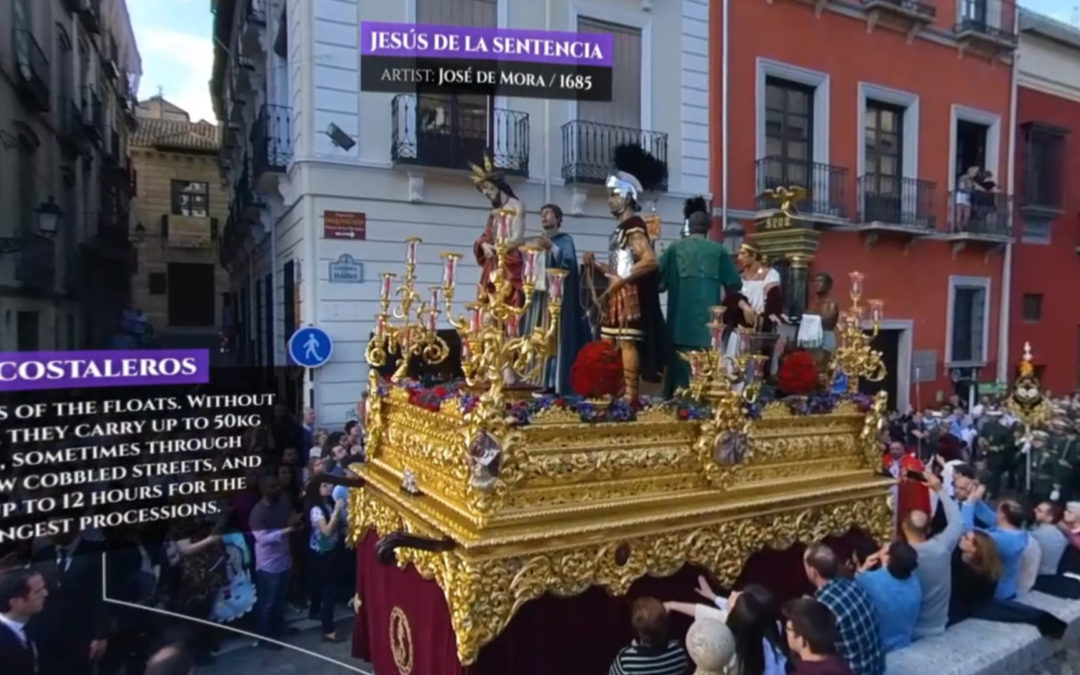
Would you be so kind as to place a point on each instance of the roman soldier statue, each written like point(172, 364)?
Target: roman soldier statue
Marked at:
point(492, 183)
point(632, 316)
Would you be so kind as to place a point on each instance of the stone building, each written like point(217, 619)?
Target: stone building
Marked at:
point(68, 73)
point(180, 206)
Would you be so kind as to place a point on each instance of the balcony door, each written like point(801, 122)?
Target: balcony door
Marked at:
point(604, 125)
point(883, 183)
point(789, 134)
point(453, 129)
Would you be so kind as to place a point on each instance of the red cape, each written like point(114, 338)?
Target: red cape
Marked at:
point(911, 495)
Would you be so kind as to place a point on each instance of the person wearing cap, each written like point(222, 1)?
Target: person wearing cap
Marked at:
point(633, 319)
point(697, 274)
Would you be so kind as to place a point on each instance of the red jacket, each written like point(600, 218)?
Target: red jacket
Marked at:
point(912, 495)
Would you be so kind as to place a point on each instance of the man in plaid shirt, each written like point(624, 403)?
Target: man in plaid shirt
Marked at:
point(858, 640)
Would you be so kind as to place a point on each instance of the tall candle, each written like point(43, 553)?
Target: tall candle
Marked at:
point(529, 273)
point(436, 297)
point(555, 285)
point(433, 315)
point(411, 245)
point(717, 337)
point(504, 226)
point(384, 293)
point(512, 325)
point(856, 285)
point(449, 269)
point(477, 322)
point(877, 310)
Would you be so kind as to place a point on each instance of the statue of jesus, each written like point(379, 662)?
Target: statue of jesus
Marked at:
point(492, 183)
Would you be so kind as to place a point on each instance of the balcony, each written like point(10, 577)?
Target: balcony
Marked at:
point(90, 14)
point(271, 139)
point(69, 119)
point(589, 149)
point(986, 24)
point(32, 71)
point(444, 132)
point(980, 217)
point(902, 207)
point(906, 15)
point(824, 184)
point(35, 265)
point(93, 114)
point(248, 202)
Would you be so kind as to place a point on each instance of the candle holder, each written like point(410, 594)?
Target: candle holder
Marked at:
point(493, 340)
point(410, 328)
point(715, 377)
point(854, 357)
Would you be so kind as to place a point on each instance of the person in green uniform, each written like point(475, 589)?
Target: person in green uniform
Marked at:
point(996, 441)
point(1068, 459)
point(1044, 466)
point(696, 273)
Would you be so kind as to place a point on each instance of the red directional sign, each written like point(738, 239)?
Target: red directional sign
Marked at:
point(344, 225)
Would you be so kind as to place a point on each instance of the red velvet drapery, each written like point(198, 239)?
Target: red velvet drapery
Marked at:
point(569, 636)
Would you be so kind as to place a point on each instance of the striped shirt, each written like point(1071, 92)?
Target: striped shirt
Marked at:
point(640, 660)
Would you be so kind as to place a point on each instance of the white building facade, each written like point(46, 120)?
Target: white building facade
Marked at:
point(69, 70)
point(403, 158)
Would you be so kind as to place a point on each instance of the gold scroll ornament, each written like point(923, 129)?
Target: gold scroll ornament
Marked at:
point(401, 643)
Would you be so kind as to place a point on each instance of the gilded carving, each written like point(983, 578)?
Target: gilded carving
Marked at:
point(401, 643)
point(484, 592)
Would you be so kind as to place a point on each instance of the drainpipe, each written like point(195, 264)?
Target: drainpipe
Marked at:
point(725, 36)
point(1006, 259)
point(547, 120)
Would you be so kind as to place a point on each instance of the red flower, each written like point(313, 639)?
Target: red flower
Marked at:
point(440, 392)
point(798, 374)
point(598, 370)
point(684, 414)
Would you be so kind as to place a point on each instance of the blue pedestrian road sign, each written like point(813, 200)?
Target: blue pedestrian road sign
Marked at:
point(310, 347)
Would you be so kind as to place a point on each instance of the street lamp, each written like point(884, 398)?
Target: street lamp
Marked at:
point(47, 220)
point(734, 235)
point(139, 234)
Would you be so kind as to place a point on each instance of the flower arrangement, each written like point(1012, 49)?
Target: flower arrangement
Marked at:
point(798, 374)
point(597, 371)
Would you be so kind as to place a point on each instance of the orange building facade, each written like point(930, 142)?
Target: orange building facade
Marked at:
point(877, 110)
point(1046, 258)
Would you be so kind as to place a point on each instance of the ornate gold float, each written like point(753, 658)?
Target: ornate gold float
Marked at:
point(507, 511)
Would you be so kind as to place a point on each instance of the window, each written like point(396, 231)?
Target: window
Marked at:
point(66, 77)
point(268, 302)
point(450, 126)
point(789, 125)
point(27, 184)
point(288, 299)
point(1036, 230)
point(1044, 151)
point(191, 294)
point(969, 320)
point(27, 329)
point(159, 284)
point(190, 198)
point(624, 108)
point(1032, 306)
point(883, 142)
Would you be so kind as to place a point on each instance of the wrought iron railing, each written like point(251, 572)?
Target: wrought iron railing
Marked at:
point(245, 196)
point(35, 267)
point(90, 13)
point(445, 132)
point(271, 138)
point(34, 71)
point(824, 184)
point(992, 18)
point(93, 113)
point(256, 12)
point(893, 200)
point(589, 149)
point(979, 212)
point(924, 8)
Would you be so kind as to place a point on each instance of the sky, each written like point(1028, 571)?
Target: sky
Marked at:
point(175, 41)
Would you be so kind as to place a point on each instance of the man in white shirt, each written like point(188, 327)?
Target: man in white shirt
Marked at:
point(22, 595)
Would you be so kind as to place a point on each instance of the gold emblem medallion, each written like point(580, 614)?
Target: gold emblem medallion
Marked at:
point(401, 641)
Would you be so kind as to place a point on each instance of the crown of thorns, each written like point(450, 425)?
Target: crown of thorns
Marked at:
point(488, 172)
